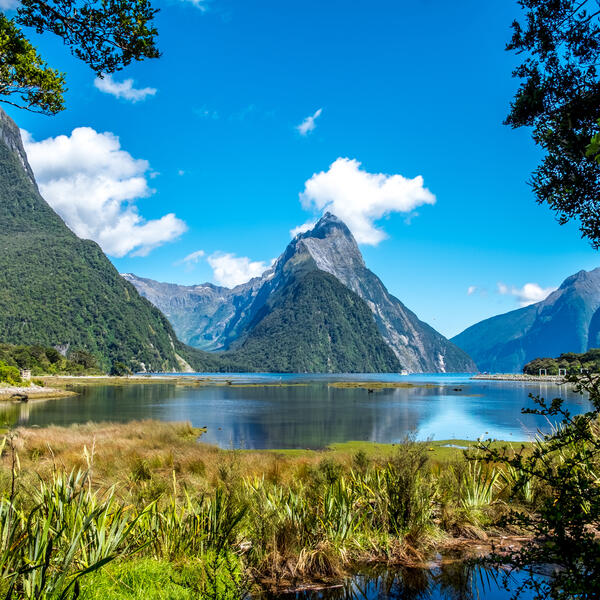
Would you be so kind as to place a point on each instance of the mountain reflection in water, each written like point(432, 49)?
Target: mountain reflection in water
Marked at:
point(313, 414)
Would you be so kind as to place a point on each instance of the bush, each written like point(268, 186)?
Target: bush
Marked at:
point(10, 375)
point(564, 530)
point(119, 369)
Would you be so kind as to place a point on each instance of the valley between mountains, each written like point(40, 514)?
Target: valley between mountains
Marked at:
point(317, 309)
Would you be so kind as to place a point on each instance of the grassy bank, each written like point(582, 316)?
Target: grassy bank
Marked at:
point(63, 381)
point(143, 509)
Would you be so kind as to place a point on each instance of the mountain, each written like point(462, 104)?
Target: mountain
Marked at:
point(568, 320)
point(200, 313)
point(316, 325)
point(218, 318)
point(59, 290)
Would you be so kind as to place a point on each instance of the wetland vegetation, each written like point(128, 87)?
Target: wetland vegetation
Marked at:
point(101, 510)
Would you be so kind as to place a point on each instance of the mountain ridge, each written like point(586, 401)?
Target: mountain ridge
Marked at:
point(224, 323)
point(568, 320)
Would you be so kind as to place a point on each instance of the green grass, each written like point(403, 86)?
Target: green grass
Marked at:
point(141, 579)
point(152, 579)
point(438, 450)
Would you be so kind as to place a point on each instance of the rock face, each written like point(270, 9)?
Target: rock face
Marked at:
point(568, 320)
point(217, 318)
point(58, 290)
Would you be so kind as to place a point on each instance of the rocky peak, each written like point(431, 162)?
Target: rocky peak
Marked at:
point(327, 225)
point(583, 284)
point(329, 246)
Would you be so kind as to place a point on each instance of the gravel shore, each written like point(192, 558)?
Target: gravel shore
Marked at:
point(520, 377)
point(33, 392)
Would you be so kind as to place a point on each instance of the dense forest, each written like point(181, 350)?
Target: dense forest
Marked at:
point(316, 324)
point(588, 362)
point(42, 360)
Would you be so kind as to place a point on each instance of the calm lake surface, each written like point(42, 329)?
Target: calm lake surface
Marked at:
point(311, 414)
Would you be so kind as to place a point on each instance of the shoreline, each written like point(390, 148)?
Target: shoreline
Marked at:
point(220, 380)
point(520, 378)
point(8, 393)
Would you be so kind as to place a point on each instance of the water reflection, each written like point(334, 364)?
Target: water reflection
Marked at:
point(311, 415)
point(447, 581)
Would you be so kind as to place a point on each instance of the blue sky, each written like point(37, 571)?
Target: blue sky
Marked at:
point(404, 88)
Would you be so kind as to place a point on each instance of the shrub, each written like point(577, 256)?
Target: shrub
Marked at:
point(10, 375)
point(564, 530)
point(119, 369)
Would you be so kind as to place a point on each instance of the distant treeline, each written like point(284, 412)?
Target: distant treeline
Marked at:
point(42, 360)
point(573, 363)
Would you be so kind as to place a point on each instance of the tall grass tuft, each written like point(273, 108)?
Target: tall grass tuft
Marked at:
point(68, 533)
point(479, 483)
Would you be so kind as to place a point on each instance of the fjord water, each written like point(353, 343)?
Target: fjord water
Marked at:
point(254, 411)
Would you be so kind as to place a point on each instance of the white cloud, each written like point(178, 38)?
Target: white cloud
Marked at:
point(471, 290)
point(230, 270)
point(200, 4)
point(93, 185)
point(192, 258)
point(9, 4)
point(530, 293)
point(124, 89)
point(302, 228)
point(360, 198)
point(308, 124)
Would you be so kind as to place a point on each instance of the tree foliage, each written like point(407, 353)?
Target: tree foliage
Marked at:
point(572, 362)
point(565, 518)
point(559, 96)
point(25, 79)
point(105, 34)
point(593, 150)
point(9, 374)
